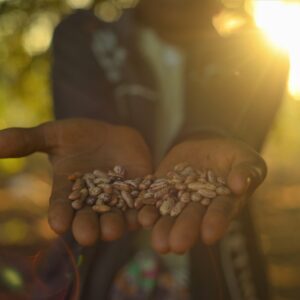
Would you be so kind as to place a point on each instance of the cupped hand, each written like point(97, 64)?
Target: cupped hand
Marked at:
point(241, 167)
point(82, 145)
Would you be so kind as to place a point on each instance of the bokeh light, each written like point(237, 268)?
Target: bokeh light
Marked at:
point(77, 4)
point(280, 21)
point(12, 278)
point(38, 36)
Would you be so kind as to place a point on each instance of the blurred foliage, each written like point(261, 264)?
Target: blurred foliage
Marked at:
point(26, 29)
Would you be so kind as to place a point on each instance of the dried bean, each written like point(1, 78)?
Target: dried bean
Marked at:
point(90, 200)
point(127, 198)
point(101, 208)
point(75, 195)
point(196, 197)
point(207, 193)
point(94, 191)
point(181, 166)
point(120, 171)
point(177, 209)
point(167, 206)
point(205, 201)
point(185, 197)
point(78, 184)
point(223, 190)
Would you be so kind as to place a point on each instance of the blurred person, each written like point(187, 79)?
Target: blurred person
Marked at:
point(155, 88)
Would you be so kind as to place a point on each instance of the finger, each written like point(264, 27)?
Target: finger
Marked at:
point(60, 213)
point(112, 225)
point(131, 216)
point(85, 226)
point(186, 229)
point(217, 218)
point(246, 176)
point(160, 234)
point(17, 142)
point(147, 216)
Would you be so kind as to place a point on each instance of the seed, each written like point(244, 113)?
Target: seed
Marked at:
point(177, 209)
point(185, 197)
point(180, 167)
point(180, 186)
point(78, 184)
point(84, 193)
point(202, 180)
point(207, 193)
point(74, 176)
point(75, 195)
point(158, 203)
point(90, 182)
point(145, 184)
point(195, 186)
point(188, 171)
point(205, 201)
point(119, 170)
point(104, 197)
point(149, 201)
point(90, 200)
point(122, 186)
point(223, 190)
point(99, 173)
point(88, 176)
point(102, 208)
point(127, 198)
point(166, 206)
point(100, 180)
point(107, 188)
point(211, 176)
point(158, 185)
point(134, 193)
point(196, 197)
point(161, 193)
point(148, 195)
point(150, 177)
point(114, 200)
point(176, 178)
point(190, 178)
point(201, 174)
point(120, 203)
point(132, 183)
point(77, 204)
point(94, 191)
point(114, 176)
point(221, 180)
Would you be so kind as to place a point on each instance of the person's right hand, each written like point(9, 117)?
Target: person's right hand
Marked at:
point(81, 145)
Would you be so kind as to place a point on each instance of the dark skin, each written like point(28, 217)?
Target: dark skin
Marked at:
point(243, 169)
point(84, 145)
point(81, 145)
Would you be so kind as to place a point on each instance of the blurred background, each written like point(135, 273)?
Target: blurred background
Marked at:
point(26, 28)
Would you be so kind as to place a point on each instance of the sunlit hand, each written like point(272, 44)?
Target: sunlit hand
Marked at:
point(81, 145)
point(243, 169)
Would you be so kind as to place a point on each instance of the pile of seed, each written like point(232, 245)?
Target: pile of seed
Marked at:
point(103, 191)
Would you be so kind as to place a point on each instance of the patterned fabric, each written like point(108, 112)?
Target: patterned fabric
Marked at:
point(147, 276)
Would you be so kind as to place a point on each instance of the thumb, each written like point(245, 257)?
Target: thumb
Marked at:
point(18, 142)
point(246, 176)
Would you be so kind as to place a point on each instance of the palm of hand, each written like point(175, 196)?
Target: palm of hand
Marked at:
point(81, 145)
point(243, 169)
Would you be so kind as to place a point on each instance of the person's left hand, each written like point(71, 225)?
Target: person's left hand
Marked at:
point(243, 169)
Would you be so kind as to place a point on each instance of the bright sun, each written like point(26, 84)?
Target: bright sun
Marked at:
point(280, 21)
